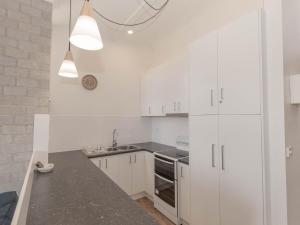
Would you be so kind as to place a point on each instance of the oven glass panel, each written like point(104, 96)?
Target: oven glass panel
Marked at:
point(165, 191)
point(165, 168)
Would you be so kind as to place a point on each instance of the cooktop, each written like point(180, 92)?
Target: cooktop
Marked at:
point(174, 154)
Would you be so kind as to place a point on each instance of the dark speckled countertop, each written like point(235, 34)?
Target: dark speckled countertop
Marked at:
point(146, 146)
point(78, 193)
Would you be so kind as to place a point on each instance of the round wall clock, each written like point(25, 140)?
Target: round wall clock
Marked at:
point(89, 82)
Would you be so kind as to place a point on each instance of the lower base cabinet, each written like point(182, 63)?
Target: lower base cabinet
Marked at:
point(149, 174)
point(109, 165)
point(131, 172)
point(184, 192)
point(126, 170)
point(134, 174)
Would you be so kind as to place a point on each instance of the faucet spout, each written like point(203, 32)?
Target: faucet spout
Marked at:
point(114, 142)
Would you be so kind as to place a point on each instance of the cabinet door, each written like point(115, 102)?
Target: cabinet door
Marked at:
point(177, 89)
point(109, 166)
point(204, 75)
point(184, 191)
point(240, 66)
point(97, 162)
point(204, 165)
point(159, 86)
point(138, 172)
point(149, 173)
point(146, 93)
point(241, 188)
point(125, 174)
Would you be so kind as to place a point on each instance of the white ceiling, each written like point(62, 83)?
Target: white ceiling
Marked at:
point(176, 14)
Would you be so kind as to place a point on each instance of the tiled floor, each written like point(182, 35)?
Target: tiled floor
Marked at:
point(146, 204)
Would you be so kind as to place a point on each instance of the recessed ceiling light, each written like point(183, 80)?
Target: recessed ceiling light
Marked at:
point(130, 32)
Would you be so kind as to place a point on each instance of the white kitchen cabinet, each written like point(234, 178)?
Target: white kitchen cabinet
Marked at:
point(226, 71)
point(146, 94)
point(177, 85)
point(125, 173)
point(226, 166)
point(204, 165)
point(241, 177)
point(240, 58)
point(149, 174)
point(128, 171)
point(153, 93)
point(109, 166)
point(164, 89)
point(204, 75)
point(138, 172)
point(184, 191)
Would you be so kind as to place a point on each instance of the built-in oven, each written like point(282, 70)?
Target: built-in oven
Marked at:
point(165, 199)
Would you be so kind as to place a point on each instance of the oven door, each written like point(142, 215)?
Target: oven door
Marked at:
point(165, 168)
point(166, 190)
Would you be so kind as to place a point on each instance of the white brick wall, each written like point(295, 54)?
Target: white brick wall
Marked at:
point(25, 33)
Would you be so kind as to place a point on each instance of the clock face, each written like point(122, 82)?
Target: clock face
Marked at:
point(89, 82)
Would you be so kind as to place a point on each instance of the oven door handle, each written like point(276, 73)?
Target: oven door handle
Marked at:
point(164, 161)
point(167, 180)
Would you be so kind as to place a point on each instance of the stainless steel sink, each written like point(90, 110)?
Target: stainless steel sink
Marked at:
point(112, 149)
point(127, 147)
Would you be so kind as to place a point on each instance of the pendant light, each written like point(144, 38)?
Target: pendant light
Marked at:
point(86, 34)
point(68, 67)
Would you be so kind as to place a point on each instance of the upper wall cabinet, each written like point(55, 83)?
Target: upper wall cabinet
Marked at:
point(164, 89)
point(226, 74)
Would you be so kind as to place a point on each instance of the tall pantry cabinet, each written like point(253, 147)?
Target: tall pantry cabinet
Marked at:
point(226, 141)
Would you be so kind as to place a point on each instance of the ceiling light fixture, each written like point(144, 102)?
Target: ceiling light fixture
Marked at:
point(130, 32)
point(86, 33)
point(68, 67)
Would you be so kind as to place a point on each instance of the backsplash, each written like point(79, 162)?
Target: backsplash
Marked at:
point(172, 131)
point(72, 132)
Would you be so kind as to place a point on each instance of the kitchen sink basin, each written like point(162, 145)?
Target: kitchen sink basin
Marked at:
point(127, 147)
point(112, 149)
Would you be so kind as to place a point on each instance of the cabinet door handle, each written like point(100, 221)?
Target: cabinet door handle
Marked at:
point(181, 171)
point(211, 97)
point(134, 158)
point(105, 163)
point(130, 159)
point(213, 163)
point(174, 106)
point(223, 157)
point(222, 95)
point(149, 110)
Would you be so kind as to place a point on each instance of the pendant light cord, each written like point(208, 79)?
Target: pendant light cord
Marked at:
point(70, 14)
point(156, 9)
point(159, 10)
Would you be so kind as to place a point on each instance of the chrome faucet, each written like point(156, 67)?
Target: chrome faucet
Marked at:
point(114, 142)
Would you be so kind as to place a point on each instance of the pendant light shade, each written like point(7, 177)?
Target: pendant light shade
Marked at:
point(68, 68)
point(86, 34)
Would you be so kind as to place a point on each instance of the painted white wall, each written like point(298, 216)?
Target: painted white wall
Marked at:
point(291, 27)
point(170, 131)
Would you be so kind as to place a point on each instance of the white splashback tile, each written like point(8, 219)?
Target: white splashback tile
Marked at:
point(170, 131)
point(70, 132)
